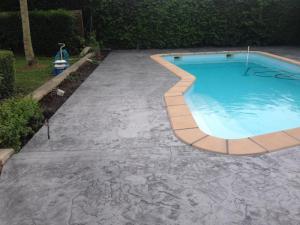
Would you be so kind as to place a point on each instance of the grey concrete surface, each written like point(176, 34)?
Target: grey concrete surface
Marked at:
point(113, 160)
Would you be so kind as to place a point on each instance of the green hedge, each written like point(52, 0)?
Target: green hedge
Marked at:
point(182, 23)
point(192, 23)
point(13, 5)
point(47, 29)
point(7, 74)
point(19, 118)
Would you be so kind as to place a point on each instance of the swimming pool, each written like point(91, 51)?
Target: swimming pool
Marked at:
point(234, 98)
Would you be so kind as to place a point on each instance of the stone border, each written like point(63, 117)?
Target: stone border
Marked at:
point(5, 154)
point(47, 87)
point(186, 129)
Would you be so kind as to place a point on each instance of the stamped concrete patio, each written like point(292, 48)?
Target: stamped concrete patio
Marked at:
point(113, 160)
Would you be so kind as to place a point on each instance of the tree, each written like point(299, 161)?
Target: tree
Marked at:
point(29, 54)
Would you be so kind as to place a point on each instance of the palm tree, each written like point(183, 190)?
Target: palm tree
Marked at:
point(29, 54)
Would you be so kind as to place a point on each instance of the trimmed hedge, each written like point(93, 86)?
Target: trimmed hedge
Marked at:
point(19, 118)
point(48, 28)
point(183, 23)
point(13, 5)
point(193, 23)
point(7, 74)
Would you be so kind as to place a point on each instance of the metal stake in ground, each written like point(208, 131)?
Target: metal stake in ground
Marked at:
point(1, 166)
point(48, 128)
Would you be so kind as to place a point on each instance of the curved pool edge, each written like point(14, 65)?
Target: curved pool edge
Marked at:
point(186, 129)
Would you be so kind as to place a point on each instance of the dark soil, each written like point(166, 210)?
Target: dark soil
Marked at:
point(52, 102)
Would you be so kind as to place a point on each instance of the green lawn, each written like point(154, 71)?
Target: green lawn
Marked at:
point(30, 78)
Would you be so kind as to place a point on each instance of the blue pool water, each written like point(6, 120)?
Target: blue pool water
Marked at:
point(231, 99)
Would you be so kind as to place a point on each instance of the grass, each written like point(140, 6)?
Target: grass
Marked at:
point(30, 78)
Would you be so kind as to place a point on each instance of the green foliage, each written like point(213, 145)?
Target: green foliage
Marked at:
point(30, 78)
point(48, 28)
point(19, 118)
point(7, 74)
point(13, 5)
point(94, 43)
point(192, 23)
point(176, 23)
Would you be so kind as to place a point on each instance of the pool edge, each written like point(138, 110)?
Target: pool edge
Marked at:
point(186, 129)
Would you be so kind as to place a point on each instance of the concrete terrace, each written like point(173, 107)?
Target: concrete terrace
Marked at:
point(114, 160)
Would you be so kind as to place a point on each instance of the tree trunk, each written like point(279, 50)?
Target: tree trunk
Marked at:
point(29, 54)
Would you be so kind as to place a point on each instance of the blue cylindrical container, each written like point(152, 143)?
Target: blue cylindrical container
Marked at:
point(60, 66)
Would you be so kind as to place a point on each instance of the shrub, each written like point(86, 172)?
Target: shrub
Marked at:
point(14, 5)
point(7, 74)
point(19, 118)
point(48, 28)
point(193, 23)
point(183, 23)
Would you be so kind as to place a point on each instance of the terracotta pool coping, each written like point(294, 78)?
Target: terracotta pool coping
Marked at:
point(186, 129)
